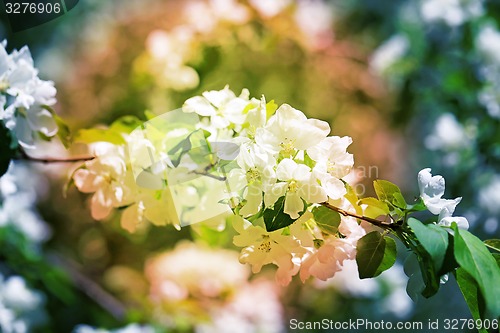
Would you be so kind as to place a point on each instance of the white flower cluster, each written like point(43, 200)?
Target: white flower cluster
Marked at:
point(187, 166)
point(24, 98)
point(431, 192)
point(21, 309)
point(17, 204)
point(284, 159)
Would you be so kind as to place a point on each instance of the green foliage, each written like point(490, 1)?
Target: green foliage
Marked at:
point(275, 218)
point(390, 193)
point(434, 240)
point(63, 132)
point(375, 207)
point(375, 254)
point(471, 294)
point(98, 135)
point(126, 124)
point(326, 219)
point(493, 244)
point(475, 259)
point(6, 150)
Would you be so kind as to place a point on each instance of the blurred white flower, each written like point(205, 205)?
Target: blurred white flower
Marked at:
point(452, 12)
point(448, 134)
point(18, 193)
point(315, 19)
point(389, 53)
point(488, 43)
point(243, 316)
point(131, 328)
point(21, 309)
point(489, 195)
point(389, 287)
point(270, 8)
point(192, 269)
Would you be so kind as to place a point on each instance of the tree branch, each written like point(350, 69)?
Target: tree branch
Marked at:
point(378, 223)
point(47, 160)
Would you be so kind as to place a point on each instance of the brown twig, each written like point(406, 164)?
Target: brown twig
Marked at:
point(89, 287)
point(370, 220)
point(47, 160)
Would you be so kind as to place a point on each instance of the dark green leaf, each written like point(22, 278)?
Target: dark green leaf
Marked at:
point(497, 258)
point(433, 238)
point(473, 256)
point(416, 283)
point(417, 207)
point(275, 218)
point(326, 219)
point(375, 254)
point(493, 244)
point(470, 291)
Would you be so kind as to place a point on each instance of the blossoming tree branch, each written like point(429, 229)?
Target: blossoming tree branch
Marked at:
point(274, 175)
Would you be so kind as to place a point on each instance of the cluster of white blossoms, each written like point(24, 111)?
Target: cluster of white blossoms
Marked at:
point(224, 154)
point(25, 98)
point(286, 164)
point(431, 192)
point(21, 308)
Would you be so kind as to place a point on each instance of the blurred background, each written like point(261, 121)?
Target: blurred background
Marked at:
point(415, 84)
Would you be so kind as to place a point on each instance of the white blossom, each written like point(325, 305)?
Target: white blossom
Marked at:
point(389, 53)
point(297, 182)
point(431, 192)
point(27, 114)
point(452, 12)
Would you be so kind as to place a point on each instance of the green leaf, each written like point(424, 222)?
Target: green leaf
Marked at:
point(309, 161)
point(375, 207)
point(352, 197)
point(326, 219)
point(497, 258)
point(493, 244)
point(98, 135)
point(6, 150)
point(387, 191)
point(375, 254)
point(417, 207)
point(470, 291)
point(473, 256)
point(416, 284)
point(126, 124)
point(63, 132)
point(271, 108)
point(433, 238)
point(275, 218)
